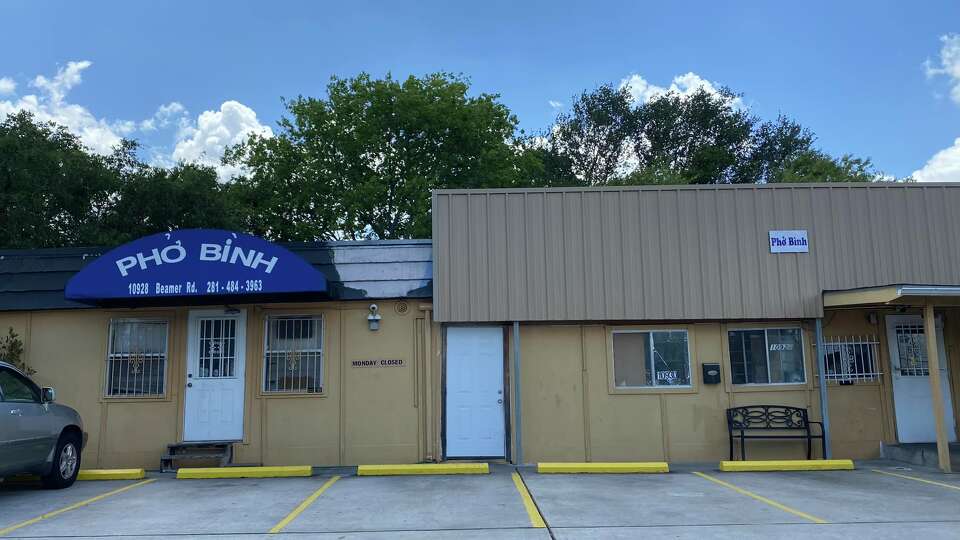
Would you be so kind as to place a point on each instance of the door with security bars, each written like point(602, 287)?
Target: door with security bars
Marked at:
point(913, 401)
point(213, 404)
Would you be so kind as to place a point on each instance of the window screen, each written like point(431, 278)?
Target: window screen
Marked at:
point(649, 359)
point(137, 358)
point(766, 356)
point(293, 356)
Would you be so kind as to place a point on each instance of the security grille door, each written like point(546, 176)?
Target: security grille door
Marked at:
point(474, 387)
point(913, 403)
point(213, 409)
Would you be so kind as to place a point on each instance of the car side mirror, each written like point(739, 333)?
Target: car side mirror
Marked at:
point(49, 395)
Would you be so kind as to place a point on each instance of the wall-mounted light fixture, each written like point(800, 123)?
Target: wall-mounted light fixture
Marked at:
point(373, 319)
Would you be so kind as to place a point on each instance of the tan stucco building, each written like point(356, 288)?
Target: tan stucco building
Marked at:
point(538, 325)
point(620, 296)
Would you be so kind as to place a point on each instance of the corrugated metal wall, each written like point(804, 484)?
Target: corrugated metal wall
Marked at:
point(683, 252)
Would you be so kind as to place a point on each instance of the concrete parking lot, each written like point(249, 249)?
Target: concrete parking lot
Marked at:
point(879, 500)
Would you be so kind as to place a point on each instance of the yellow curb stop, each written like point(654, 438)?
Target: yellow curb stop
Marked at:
point(604, 468)
point(423, 468)
point(244, 472)
point(788, 465)
point(111, 474)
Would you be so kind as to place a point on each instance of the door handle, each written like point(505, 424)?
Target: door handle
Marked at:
point(16, 412)
point(499, 401)
point(189, 385)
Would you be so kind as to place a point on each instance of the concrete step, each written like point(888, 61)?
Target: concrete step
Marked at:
point(221, 452)
point(920, 454)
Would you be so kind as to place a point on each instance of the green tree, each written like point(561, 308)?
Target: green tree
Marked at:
point(360, 162)
point(700, 138)
point(154, 199)
point(594, 138)
point(53, 192)
point(814, 166)
point(11, 352)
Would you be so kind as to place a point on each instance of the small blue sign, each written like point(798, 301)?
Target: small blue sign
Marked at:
point(194, 263)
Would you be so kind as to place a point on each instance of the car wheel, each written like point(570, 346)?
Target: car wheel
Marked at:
point(66, 463)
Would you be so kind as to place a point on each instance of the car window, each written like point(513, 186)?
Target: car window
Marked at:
point(16, 388)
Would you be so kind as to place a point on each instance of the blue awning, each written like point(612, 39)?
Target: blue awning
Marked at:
point(195, 265)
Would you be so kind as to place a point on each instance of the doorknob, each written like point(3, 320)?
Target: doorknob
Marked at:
point(16, 412)
point(189, 385)
point(499, 401)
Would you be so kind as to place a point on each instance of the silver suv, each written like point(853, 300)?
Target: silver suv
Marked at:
point(37, 436)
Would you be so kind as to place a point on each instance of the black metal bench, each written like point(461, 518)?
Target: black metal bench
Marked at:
point(771, 418)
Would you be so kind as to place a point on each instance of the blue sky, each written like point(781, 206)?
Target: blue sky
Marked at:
point(870, 78)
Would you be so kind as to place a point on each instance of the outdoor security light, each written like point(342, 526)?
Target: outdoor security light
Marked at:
point(373, 319)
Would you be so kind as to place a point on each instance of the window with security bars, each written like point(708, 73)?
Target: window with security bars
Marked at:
point(293, 355)
point(851, 358)
point(912, 350)
point(217, 353)
point(137, 358)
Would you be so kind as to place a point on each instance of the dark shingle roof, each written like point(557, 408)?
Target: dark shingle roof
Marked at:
point(376, 269)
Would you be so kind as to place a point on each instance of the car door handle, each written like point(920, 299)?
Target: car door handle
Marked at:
point(16, 412)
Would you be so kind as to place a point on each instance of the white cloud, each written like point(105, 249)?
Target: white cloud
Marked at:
point(203, 140)
point(642, 91)
point(555, 104)
point(949, 64)
point(7, 86)
point(165, 116)
point(49, 105)
point(944, 166)
point(213, 132)
point(65, 79)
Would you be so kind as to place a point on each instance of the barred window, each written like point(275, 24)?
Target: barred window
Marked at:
point(137, 358)
point(293, 355)
point(852, 358)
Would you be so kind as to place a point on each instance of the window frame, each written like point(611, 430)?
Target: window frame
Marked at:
point(165, 394)
point(265, 339)
point(773, 385)
point(692, 388)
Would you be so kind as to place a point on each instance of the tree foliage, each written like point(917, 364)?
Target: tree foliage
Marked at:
point(11, 352)
point(153, 199)
point(360, 162)
point(700, 138)
point(54, 192)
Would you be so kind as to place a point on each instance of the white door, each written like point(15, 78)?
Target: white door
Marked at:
point(474, 405)
point(912, 399)
point(213, 407)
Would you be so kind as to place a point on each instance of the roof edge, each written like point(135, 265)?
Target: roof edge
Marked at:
point(704, 187)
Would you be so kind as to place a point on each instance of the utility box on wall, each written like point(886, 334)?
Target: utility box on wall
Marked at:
point(711, 373)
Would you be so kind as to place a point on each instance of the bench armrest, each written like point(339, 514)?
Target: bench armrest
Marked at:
point(822, 432)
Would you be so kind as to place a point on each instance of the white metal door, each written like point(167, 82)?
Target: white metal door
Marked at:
point(213, 406)
point(913, 403)
point(474, 385)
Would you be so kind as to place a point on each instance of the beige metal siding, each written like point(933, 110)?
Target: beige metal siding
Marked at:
point(683, 252)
